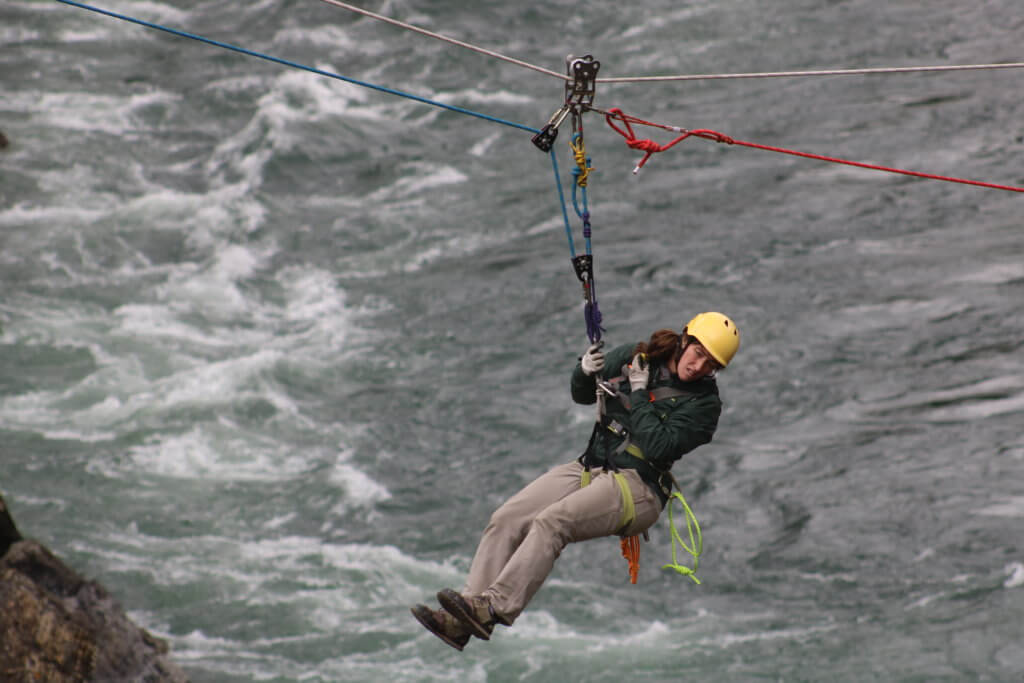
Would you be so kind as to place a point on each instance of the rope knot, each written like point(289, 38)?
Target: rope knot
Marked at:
point(646, 145)
point(579, 155)
point(649, 147)
point(713, 135)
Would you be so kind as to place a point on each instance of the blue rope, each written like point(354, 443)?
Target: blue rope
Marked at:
point(297, 65)
point(584, 214)
point(591, 313)
point(561, 199)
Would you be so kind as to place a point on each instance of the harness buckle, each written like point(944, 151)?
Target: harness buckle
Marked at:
point(616, 428)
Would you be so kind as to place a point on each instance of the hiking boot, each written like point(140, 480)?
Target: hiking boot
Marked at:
point(474, 611)
point(443, 625)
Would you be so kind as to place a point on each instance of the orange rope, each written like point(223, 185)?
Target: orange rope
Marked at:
point(631, 551)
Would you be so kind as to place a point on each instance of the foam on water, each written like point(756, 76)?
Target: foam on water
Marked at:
point(213, 289)
point(149, 366)
point(663, 20)
point(292, 98)
point(314, 589)
point(485, 97)
point(484, 145)
point(25, 215)
point(728, 640)
point(1006, 507)
point(215, 383)
point(12, 35)
point(417, 178)
point(86, 112)
point(319, 320)
point(879, 317)
point(313, 310)
point(163, 326)
point(976, 400)
point(329, 577)
point(148, 10)
point(993, 274)
point(1016, 575)
point(760, 453)
point(202, 455)
point(359, 489)
point(325, 36)
point(82, 27)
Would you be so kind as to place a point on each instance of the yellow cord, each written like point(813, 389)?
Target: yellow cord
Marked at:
point(696, 546)
point(579, 153)
point(631, 545)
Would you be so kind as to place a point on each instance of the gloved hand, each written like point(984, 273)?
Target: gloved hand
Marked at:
point(593, 359)
point(639, 371)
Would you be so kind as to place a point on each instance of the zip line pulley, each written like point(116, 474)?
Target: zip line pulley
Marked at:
point(579, 92)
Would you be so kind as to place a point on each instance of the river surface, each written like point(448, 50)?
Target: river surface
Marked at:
point(274, 345)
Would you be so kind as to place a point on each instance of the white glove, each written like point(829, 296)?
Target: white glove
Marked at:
point(593, 360)
point(639, 371)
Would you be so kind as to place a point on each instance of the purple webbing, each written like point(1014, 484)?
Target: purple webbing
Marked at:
point(592, 315)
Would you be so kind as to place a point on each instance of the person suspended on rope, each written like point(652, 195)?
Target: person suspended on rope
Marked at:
point(660, 401)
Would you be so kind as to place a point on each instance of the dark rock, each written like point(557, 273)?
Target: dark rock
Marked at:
point(8, 532)
point(57, 626)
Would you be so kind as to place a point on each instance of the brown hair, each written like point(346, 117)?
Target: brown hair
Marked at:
point(664, 346)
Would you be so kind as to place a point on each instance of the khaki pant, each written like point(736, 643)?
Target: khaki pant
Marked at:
point(527, 534)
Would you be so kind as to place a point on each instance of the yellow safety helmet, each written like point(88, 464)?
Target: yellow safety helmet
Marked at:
point(716, 333)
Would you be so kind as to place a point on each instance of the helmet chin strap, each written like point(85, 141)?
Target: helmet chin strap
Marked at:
point(684, 341)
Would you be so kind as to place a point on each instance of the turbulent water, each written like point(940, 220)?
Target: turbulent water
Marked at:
point(273, 346)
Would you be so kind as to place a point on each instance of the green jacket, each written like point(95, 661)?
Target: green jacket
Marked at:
point(664, 430)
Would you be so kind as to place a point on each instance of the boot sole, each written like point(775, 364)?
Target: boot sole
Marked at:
point(426, 619)
point(457, 606)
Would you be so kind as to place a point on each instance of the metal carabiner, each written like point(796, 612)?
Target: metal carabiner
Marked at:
point(545, 139)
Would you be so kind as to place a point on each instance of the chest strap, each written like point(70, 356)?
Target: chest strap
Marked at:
point(611, 387)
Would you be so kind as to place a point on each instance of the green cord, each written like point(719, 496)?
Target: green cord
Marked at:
point(696, 546)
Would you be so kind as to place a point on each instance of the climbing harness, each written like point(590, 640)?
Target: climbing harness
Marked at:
point(630, 545)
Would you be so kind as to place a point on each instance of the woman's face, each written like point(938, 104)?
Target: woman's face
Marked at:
point(695, 363)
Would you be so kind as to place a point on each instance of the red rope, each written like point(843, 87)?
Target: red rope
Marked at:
point(650, 147)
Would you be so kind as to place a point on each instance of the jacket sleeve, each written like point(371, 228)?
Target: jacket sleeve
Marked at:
point(666, 432)
point(582, 387)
